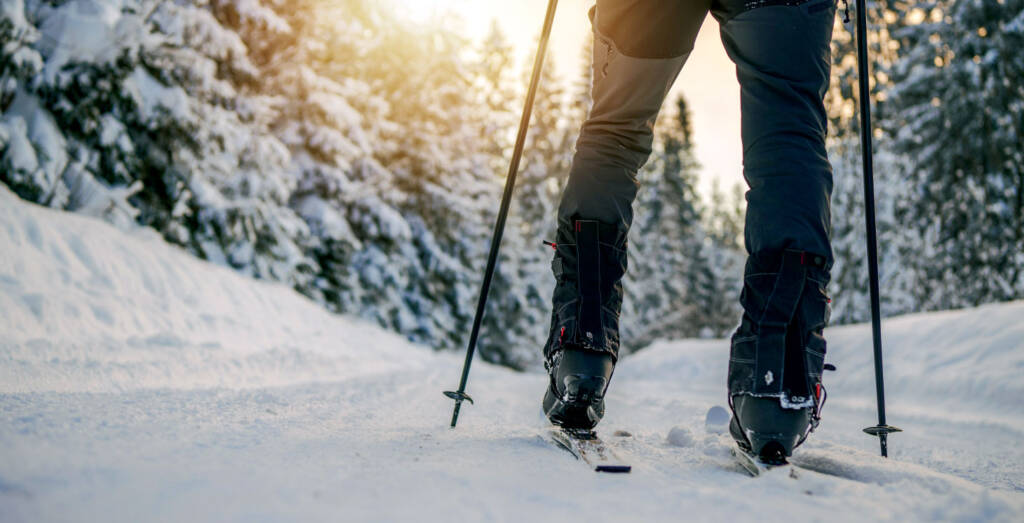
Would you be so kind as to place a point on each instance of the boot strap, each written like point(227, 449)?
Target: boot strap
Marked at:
point(776, 319)
point(590, 326)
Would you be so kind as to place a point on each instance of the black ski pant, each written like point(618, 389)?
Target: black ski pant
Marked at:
point(782, 56)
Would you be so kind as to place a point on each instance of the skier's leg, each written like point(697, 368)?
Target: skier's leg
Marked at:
point(639, 48)
point(781, 52)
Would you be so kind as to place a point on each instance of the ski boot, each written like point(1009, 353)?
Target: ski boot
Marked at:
point(589, 262)
point(575, 397)
point(768, 431)
point(777, 355)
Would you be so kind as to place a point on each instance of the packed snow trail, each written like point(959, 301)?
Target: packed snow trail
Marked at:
point(140, 384)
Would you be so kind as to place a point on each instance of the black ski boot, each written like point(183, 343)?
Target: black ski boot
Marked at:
point(768, 431)
point(579, 379)
point(778, 354)
point(589, 262)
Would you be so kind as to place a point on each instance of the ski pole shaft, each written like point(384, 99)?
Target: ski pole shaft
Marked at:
point(506, 200)
point(881, 430)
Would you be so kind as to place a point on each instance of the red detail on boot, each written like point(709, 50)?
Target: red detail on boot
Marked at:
point(552, 244)
point(817, 391)
point(561, 334)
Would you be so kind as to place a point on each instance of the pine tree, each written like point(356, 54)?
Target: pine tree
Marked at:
point(19, 62)
point(326, 145)
point(665, 239)
point(896, 242)
point(523, 282)
point(718, 274)
point(547, 155)
point(253, 134)
point(959, 116)
point(581, 100)
point(140, 123)
point(497, 86)
point(724, 216)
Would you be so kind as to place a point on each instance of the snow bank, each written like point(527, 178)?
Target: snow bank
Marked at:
point(88, 308)
point(965, 364)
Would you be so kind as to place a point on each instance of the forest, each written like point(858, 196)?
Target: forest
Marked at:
point(359, 158)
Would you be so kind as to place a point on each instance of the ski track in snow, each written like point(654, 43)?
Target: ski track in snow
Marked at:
point(140, 384)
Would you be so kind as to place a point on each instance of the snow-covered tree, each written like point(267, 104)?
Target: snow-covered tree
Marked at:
point(723, 216)
point(665, 238)
point(947, 100)
point(896, 241)
point(331, 146)
point(958, 112)
point(23, 170)
point(717, 278)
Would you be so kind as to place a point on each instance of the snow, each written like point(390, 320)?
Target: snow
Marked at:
point(20, 154)
point(256, 13)
point(42, 133)
point(14, 10)
point(138, 383)
point(329, 222)
point(92, 198)
point(154, 97)
point(80, 31)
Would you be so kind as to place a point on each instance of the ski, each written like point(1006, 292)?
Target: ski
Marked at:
point(755, 467)
point(588, 447)
point(716, 421)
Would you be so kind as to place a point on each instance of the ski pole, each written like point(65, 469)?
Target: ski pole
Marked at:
point(506, 200)
point(881, 430)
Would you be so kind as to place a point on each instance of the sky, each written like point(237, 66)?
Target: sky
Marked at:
point(708, 80)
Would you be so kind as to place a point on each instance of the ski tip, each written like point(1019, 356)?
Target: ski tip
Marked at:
point(614, 469)
point(717, 415)
point(716, 421)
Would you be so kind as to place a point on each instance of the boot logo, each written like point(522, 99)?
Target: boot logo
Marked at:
point(769, 378)
point(590, 336)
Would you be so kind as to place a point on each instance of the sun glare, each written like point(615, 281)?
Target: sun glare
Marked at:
point(424, 11)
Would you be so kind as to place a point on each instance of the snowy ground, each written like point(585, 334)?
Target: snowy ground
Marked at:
point(137, 383)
